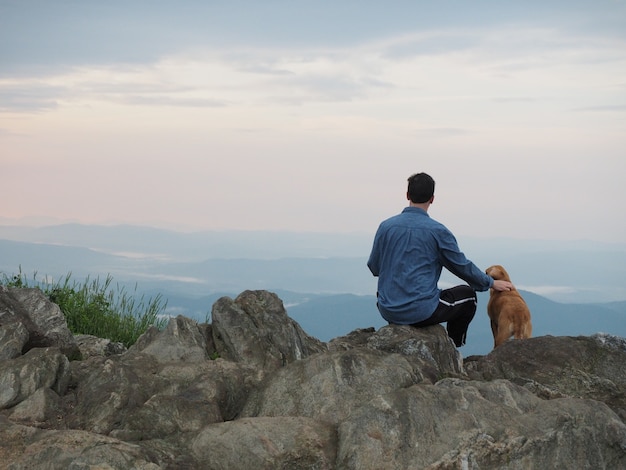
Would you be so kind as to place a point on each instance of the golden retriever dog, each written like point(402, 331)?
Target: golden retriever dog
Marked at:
point(507, 311)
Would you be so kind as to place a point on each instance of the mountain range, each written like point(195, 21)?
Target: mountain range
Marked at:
point(572, 287)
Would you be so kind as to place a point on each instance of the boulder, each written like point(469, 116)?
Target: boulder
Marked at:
point(253, 390)
point(181, 340)
point(465, 424)
point(43, 320)
point(40, 407)
point(90, 345)
point(24, 375)
point(330, 386)
point(13, 338)
point(255, 329)
point(290, 442)
point(592, 367)
point(29, 448)
point(137, 396)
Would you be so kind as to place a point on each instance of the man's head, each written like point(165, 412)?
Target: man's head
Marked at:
point(421, 188)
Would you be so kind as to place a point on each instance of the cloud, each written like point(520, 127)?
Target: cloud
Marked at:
point(445, 131)
point(167, 277)
point(606, 108)
point(514, 99)
point(175, 101)
point(548, 290)
point(24, 98)
point(156, 100)
point(44, 34)
point(424, 64)
point(431, 43)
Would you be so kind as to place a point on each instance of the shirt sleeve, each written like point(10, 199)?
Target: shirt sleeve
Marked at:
point(373, 263)
point(455, 261)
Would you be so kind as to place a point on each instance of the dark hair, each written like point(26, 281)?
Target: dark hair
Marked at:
point(421, 188)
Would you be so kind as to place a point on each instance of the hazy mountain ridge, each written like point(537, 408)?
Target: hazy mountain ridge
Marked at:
point(322, 278)
point(327, 316)
point(183, 246)
point(569, 271)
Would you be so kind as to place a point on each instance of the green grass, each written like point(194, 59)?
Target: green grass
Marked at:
point(93, 307)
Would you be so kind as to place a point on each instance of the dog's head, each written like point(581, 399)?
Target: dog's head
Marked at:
point(498, 273)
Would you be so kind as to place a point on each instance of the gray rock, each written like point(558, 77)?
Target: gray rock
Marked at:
point(13, 338)
point(139, 396)
point(329, 386)
point(476, 425)
point(255, 329)
point(43, 319)
point(90, 345)
point(266, 443)
point(40, 407)
point(585, 367)
point(182, 340)
point(396, 398)
point(29, 448)
point(38, 368)
point(429, 348)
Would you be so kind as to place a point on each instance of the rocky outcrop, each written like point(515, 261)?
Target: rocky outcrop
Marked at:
point(29, 320)
point(585, 367)
point(253, 390)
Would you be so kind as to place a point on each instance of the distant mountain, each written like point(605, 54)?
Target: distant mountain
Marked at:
point(153, 243)
point(571, 287)
point(56, 260)
point(565, 271)
point(329, 316)
point(551, 318)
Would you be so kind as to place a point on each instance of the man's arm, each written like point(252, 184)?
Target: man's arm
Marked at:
point(502, 286)
point(373, 263)
point(457, 263)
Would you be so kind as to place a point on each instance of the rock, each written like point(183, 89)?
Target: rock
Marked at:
point(182, 340)
point(13, 338)
point(330, 386)
point(253, 390)
point(40, 407)
point(267, 443)
point(430, 349)
point(28, 448)
point(255, 329)
point(475, 425)
point(90, 345)
point(38, 368)
point(142, 396)
point(585, 367)
point(43, 319)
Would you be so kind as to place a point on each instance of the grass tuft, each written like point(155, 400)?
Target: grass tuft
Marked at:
point(93, 307)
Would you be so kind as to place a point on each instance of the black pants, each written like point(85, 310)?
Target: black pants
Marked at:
point(457, 307)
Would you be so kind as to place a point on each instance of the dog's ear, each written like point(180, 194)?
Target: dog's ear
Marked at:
point(493, 271)
point(496, 271)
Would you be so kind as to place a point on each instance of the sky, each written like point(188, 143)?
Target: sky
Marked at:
point(310, 115)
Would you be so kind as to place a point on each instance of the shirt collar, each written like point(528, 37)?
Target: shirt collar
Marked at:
point(414, 210)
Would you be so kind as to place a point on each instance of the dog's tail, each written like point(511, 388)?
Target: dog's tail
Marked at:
point(523, 330)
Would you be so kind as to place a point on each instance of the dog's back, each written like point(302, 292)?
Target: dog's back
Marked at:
point(511, 315)
point(508, 312)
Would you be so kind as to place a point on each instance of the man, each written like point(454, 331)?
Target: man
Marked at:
point(408, 254)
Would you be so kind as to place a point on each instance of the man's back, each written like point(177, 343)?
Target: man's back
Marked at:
point(405, 257)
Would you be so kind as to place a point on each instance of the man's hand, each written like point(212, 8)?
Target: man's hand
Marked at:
point(502, 286)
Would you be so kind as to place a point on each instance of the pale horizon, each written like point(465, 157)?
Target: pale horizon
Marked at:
point(196, 116)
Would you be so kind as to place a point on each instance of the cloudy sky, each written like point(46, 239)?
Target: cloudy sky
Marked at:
point(310, 115)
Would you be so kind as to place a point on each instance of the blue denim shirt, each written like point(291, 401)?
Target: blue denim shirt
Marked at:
point(408, 254)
